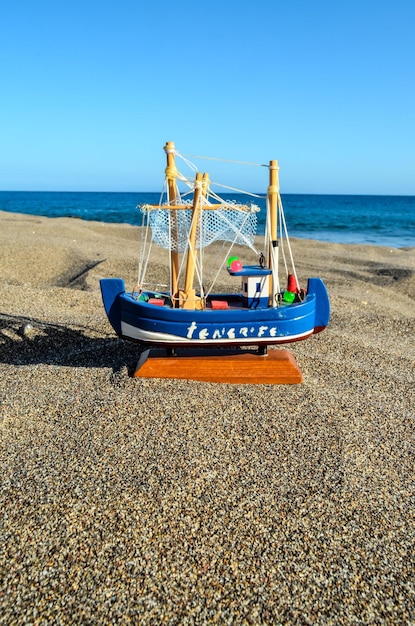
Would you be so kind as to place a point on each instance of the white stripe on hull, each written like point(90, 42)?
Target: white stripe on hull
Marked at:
point(147, 336)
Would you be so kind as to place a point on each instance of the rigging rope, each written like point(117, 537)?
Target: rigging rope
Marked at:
point(224, 259)
point(246, 193)
point(198, 156)
point(284, 225)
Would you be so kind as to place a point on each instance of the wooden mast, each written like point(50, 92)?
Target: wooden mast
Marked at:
point(273, 194)
point(171, 174)
point(188, 296)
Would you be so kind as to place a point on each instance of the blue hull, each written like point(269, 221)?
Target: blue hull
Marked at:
point(152, 324)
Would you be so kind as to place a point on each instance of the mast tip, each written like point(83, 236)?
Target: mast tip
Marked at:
point(169, 146)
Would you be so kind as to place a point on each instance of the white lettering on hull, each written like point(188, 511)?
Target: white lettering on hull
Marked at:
point(203, 333)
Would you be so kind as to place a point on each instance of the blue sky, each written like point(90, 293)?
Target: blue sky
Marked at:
point(92, 89)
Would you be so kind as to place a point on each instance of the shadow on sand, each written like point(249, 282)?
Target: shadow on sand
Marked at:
point(27, 341)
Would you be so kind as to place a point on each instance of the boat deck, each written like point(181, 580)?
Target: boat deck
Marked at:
point(217, 302)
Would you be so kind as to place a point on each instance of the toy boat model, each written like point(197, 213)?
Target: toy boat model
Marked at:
point(187, 313)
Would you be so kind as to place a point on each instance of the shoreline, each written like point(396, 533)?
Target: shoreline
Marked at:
point(385, 242)
point(141, 499)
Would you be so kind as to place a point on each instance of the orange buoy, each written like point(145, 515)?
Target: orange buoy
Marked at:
point(292, 284)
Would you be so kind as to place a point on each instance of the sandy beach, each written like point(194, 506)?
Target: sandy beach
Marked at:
point(140, 501)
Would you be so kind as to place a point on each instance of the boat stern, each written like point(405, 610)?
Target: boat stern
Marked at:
point(322, 315)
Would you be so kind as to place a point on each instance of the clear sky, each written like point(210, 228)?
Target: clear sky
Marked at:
point(90, 91)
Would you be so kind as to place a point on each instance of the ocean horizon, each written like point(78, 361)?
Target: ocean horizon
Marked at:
point(337, 218)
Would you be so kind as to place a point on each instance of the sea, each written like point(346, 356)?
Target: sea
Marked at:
point(358, 219)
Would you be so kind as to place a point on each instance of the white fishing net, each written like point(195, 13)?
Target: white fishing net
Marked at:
point(235, 223)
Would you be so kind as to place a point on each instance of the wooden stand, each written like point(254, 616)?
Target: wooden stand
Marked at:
point(278, 367)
